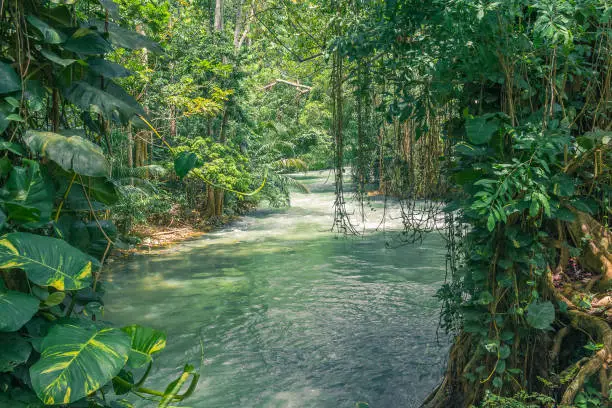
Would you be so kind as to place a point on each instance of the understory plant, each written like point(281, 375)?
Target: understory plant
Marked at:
point(58, 99)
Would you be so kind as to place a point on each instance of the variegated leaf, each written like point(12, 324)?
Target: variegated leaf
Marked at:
point(145, 342)
point(77, 359)
point(47, 261)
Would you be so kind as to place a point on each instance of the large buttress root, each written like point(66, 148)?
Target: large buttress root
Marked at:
point(601, 331)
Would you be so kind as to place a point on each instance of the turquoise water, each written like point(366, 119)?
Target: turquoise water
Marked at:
point(289, 314)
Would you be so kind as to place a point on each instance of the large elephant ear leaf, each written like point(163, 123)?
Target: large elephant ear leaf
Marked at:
point(184, 163)
point(77, 359)
point(124, 38)
point(16, 309)
point(49, 34)
point(9, 80)
point(112, 99)
point(70, 153)
point(46, 261)
point(145, 342)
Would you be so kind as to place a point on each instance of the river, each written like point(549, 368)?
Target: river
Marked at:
point(289, 314)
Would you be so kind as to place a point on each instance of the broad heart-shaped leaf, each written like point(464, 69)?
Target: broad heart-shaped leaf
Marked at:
point(77, 359)
point(540, 315)
point(20, 398)
point(71, 153)
point(14, 350)
point(9, 80)
point(87, 42)
point(480, 129)
point(46, 261)
point(100, 189)
point(16, 309)
point(184, 163)
point(51, 56)
point(50, 35)
point(124, 38)
point(30, 195)
point(111, 7)
point(108, 69)
point(11, 147)
point(113, 99)
point(145, 343)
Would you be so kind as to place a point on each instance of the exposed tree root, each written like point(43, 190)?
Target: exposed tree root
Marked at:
point(597, 256)
point(561, 334)
point(595, 263)
point(452, 392)
point(600, 330)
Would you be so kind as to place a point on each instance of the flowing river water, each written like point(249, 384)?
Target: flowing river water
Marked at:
point(287, 313)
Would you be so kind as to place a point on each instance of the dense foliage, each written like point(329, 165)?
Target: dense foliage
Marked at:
point(113, 115)
point(489, 120)
point(514, 98)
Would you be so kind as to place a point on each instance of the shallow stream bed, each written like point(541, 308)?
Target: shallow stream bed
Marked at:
point(288, 313)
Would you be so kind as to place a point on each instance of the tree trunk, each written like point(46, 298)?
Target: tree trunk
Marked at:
point(130, 146)
point(222, 132)
point(219, 198)
point(173, 121)
point(55, 112)
point(238, 24)
point(219, 15)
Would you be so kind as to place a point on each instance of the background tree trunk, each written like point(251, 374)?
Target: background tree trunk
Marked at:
point(238, 24)
point(219, 15)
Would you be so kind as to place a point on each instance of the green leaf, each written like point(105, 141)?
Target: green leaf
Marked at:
point(13, 117)
point(99, 189)
point(491, 223)
point(485, 298)
point(64, 62)
point(49, 34)
point(540, 315)
point(70, 153)
point(564, 186)
point(534, 208)
point(9, 80)
point(46, 261)
point(144, 343)
point(77, 359)
point(106, 102)
point(87, 42)
point(119, 387)
point(594, 347)
point(16, 309)
point(11, 147)
point(480, 129)
point(14, 350)
point(111, 7)
point(184, 163)
point(30, 194)
point(124, 38)
point(54, 299)
point(108, 69)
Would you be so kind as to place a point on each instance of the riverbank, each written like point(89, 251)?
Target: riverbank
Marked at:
point(145, 238)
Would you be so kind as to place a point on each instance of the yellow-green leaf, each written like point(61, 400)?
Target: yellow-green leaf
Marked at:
point(144, 343)
point(46, 261)
point(77, 359)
